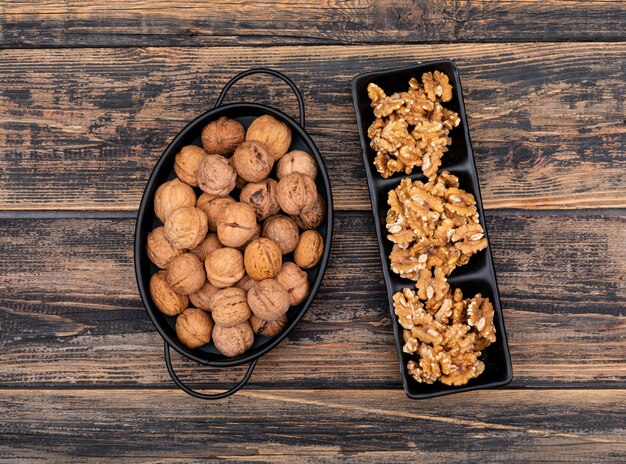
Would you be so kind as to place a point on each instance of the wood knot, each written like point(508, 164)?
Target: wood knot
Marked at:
point(523, 155)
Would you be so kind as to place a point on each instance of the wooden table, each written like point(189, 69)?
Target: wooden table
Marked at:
point(91, 95)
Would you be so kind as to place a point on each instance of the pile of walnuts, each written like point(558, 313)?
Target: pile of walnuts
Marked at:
point(223, 253)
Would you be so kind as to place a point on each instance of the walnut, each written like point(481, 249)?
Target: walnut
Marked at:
point(236, 224)
point(164, 297)
point(469, 239)
point(206, 246)
point(245, 283)
point(313, 217)
point(411, 128)
point(194, 327)
point(480, 316)
point(216, 175)
point(296, 193)
point(239, 182)
point(204, 199)
point(229, 307)
point(268, 328)
point(257, 234)
point(283, 231)
point(214, 208)
point(202, 298)
point(170, 196)
point(252, 161)
point(224, 267)
point(221, 137)
point(186, 227)
point(185, 274)
point(187, 163)
point(295, 281)
point(275, 134)
point(159, 249)
point(298, 161)
point(432, 287)
point(262, 259)
point(309, 249)
point(262, 197)
point(233, 341)
point(268, 299)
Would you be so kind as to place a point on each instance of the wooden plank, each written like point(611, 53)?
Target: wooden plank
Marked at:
point(83, 130)
point(70, 312)
point(55, 23)
point(308, 426)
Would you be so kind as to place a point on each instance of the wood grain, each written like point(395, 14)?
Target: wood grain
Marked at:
point(83, 130)
point(269, 425)
point(56, 23)
point(70, 312)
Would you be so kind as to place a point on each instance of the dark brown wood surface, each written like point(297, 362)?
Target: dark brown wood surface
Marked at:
point(90, 94)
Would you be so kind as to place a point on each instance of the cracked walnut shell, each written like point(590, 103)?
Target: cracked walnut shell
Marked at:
point(194, 327)
point(221, 137)
point(186, 227)
point(262, 259)
point(164, 297)
point(229, 307)
point(274, 134)
point(170, 196)
point(224, 267)
point(268, 299)
point(233, 341)
point(185, 274)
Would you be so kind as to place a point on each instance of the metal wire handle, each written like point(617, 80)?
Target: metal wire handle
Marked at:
point(271, 72)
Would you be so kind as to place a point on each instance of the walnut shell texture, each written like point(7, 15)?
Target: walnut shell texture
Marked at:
point(214, 208)
point(202, 298)
point(268, 328)
point(170, 196)
point(229, 307)
point(275, 134)
point(283, 231)
point(297, 161)
point(186, 227)
point(187, 163)
point(194, 327)
point(295, 281)
point(206, 246)
point(185, 274)
point(262, 197)
point(268, 299)
point(224, 267)
point(252, 161)
point(245, 283)
point(222, 136)
point(159, 249)
point(233, 341)
point(262, 259)
point(296, 192)
point(237, 224)
point(164, 297)
point(216, 175)
point(309, 250)
point(313, 217)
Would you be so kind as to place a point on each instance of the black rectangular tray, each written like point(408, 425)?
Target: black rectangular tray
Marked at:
point(478, 276)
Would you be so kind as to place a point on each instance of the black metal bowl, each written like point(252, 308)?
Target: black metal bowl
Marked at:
point(245, 113)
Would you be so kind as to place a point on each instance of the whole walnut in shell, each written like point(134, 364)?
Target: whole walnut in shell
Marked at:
point(313, 217)
point(283, 231)
point(164, 297)
point(262, 259)
point(268, 328)
point(236, 224)
point(296, 192)
point(229, 307)
point(233, 341)
point(185, 274)
point(216, 175)
point(297, 161)
point(159, 249)
point(275, 134)
point(214, 208)
point(252, 161)
point(194, 327)
point(202, 298)
point(245, 283)
point(224, 267)
point(295, 281)
point(262, 197)
point(187, 163)
point(222, 136)
point(206, 246)
point(170, 196)
point(186, 227)
point(309, 250)
point(268, 299)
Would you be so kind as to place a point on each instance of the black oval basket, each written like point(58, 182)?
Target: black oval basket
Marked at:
point(245, 113)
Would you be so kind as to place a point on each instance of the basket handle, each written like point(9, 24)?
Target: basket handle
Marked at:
point(204, 396)
point(271, 72)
